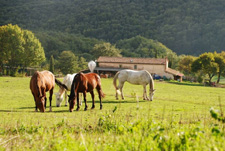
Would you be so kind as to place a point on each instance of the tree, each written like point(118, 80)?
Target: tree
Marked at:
point(19, 48)
point(11, 45)
point(52, 64)
point(205, 63)
point(185, 63)
point(68, 62)
point(34, 53)
point(82, 63)
point(220, 60)
point(105, 49)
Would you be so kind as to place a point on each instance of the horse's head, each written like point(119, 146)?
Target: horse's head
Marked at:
point(71, 102)
point(59, 99)
point(40, 103)
point(152, 94)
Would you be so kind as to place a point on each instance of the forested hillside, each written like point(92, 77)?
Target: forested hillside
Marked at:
point(184, 26)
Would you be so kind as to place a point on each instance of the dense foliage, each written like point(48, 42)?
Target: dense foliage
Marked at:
point(19, 47)
point(186, 27)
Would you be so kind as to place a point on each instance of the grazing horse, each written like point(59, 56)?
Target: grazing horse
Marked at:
point(142, 77)
point(40, 83)
point(68, 79)
point(83, 83)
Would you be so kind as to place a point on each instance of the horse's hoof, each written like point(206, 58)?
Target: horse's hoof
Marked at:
point(92, 107)
point(77, 109)
point(66, 105)
point(100, 107)
point(85, 109)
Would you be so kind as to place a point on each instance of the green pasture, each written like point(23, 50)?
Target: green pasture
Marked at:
point(177, 119)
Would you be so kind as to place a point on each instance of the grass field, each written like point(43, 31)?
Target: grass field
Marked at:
point(177, 119)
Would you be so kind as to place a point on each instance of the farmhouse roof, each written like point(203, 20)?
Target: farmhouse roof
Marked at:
point(103, 59)
point(174, 72)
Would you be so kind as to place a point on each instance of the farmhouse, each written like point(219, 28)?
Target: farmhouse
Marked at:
point(156, 66)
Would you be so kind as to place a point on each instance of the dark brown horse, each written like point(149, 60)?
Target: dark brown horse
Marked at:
point(40, 83)
point(83, 83)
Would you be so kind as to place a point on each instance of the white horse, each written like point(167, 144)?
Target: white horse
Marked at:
point(142, 77)
point(68, 80)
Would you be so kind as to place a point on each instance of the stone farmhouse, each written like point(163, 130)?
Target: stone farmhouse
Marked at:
point(155, 66)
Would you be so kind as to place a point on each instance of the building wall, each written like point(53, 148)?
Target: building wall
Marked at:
point(153, 69)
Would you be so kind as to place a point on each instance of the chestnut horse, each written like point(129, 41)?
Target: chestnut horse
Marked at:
point(40, 83)
point(83, 83)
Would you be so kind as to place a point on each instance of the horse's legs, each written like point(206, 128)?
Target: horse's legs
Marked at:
point(78, 104)
point(81, 99)
point(36, 109)
point(66, 98)
point(50, 99)
point(85, 101)
point(121, 90)
point(93, 99)
point(145, 97)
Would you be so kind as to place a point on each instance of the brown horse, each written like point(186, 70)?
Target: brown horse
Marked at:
point(83, 83)
point(40, 83)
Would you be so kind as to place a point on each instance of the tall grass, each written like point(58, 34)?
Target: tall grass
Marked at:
point(177, 119)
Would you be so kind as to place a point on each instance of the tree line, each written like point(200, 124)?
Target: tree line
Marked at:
point(20, 49)
point(187, 27)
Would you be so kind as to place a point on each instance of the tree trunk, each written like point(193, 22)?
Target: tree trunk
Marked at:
point(218, 79)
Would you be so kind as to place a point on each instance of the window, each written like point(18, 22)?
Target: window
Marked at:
point(135, 66)
point(120, 66)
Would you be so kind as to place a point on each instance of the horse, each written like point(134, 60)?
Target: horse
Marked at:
point(67, 80)
point(40, 83)
point(83, 83)
point(142, 77)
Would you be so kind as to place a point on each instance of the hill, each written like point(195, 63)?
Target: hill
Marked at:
point(186, 27)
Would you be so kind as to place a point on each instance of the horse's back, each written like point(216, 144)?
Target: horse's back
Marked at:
point(87, 81)
point(44, 79)
point(134, 77)
point(68, 80)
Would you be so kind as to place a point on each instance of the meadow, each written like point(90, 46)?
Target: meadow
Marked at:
point(177, 119)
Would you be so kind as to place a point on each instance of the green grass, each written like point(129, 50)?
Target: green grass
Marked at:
point(177, 119)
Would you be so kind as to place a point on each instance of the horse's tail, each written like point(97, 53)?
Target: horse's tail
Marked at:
point(114, 82)
point(60, 84)
point(102, 94)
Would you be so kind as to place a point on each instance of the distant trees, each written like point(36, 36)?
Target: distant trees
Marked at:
point(220, 60)
point(184, 65)
point(105, 49)
point(206, 63)
point(52, 64)
point(69, 63)
point(210, 64)
point(146, 48)
point(19, 48)
point(182, 25)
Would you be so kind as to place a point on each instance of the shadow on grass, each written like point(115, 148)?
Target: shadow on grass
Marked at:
point(186, 84)
point(16, 111)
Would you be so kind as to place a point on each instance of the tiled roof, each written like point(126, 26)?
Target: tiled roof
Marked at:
point(103, 59)
point(174, 72)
